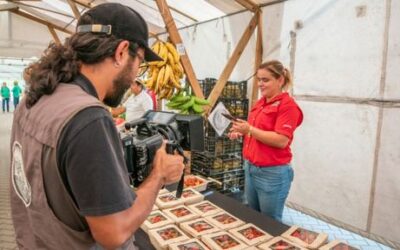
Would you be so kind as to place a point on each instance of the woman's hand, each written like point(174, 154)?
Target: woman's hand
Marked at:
point(240, 126)
point(234, 135)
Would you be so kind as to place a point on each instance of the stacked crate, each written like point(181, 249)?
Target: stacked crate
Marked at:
point(222, 158)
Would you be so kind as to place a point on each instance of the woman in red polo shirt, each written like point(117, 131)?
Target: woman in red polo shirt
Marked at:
point(268, 134)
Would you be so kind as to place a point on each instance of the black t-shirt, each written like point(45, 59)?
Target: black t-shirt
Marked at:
point(91, 162)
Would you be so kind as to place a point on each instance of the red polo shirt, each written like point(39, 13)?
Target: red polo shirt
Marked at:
point(281, 115)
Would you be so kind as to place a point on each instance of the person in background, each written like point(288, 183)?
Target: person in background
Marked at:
point(17, 91)
point(137, 103)
point(268, 134)
point(153, 97)
point(5, 94)
point(70, 184)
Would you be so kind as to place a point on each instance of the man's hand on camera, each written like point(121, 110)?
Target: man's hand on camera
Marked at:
point(169, 167)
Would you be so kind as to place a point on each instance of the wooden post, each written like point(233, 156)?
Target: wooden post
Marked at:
point(84, 3)
point(258, 61)
point(54, 34)
point(176, 39)
point(216, 92)
point(74, 9)
point(249, 4)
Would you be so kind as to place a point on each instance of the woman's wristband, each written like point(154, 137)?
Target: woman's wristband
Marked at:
point(250, 130)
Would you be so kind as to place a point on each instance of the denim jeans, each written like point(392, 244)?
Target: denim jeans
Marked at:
point(266, 188)
point(5, 104)
point(16, 101)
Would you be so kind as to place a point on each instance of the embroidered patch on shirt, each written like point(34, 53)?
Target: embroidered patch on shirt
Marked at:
point(19, 181)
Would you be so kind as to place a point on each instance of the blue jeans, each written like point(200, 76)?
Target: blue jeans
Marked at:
point(5, 103)
point(267, 188)
point(16, 101)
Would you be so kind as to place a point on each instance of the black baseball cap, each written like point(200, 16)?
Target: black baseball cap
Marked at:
point(121, 21)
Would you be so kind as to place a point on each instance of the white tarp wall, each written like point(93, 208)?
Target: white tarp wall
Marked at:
point(348, 148)
point(347, 152)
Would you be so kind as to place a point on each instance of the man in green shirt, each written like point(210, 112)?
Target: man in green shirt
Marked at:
point(5, 94)
point(16, 93)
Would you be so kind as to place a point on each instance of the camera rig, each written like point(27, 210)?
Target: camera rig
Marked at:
point(144, 136)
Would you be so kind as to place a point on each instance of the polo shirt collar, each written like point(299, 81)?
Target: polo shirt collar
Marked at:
point(276, 98)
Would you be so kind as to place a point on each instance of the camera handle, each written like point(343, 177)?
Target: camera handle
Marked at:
point(171, 146)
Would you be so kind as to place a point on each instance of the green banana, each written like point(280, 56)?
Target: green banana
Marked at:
point(184, 112)
point(173, 105)
point(200, 101)
point(187, 104)
point(182, 98)
point(197, 108)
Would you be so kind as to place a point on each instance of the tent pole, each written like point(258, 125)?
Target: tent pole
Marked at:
point(258, 61)
point(216, 91)
point(54, 34)
point(74, 9)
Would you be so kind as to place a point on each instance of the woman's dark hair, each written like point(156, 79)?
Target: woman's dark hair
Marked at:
point(61, 63)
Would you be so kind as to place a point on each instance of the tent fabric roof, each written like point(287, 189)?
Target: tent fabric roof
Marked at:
point(19, 40)
point(185, 13)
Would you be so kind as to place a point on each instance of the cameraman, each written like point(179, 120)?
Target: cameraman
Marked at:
point(70, 187)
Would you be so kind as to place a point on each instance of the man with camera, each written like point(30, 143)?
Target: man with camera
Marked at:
point(70, 187)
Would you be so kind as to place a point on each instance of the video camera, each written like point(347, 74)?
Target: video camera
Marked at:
point(143, 136)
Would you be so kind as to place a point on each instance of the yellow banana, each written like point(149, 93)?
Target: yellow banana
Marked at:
point(170, 59)
point(160, 80)
point(170, 93)
point(179, 70)
point(163, 51)
point(159, 64)
point(171, 48)
point(175, 82)
point(149, 83)
point(156, 46)
point(167, 74)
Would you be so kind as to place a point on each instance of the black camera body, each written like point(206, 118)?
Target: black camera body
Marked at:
point(144, 136)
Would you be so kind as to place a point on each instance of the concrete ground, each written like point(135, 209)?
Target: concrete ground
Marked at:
point(7, 237)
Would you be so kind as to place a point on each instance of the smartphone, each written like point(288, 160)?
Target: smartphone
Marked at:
point(229, 116)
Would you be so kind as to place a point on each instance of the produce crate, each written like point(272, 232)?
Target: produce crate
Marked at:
point(209, 164)
point(237, 107)
point(230, 181)
point(222, 145)
point(237, 90)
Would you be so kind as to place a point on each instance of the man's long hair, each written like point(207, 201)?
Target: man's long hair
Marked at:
point(61, 63)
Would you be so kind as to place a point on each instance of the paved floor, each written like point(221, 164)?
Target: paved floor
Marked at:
point(7, 238)
point(293, 217)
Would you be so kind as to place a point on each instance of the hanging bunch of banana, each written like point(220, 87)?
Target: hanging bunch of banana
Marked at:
point(187, 103)
point(164, 76)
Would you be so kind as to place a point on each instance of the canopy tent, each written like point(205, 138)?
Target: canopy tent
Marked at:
point(345, 58)
point(27, 26)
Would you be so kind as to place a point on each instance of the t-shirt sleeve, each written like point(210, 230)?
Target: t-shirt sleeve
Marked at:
point(147, 103)
point(95, 167)
point(289, 118)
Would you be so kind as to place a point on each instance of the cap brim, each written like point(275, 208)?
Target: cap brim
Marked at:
point(150, 55)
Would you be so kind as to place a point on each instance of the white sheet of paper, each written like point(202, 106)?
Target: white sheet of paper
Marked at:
point(217, 120)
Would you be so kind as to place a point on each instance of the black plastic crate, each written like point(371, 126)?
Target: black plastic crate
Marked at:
point(236, 107)
point(222, 145)
point(209, 164)
point(229, 181)
point(237, 90)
